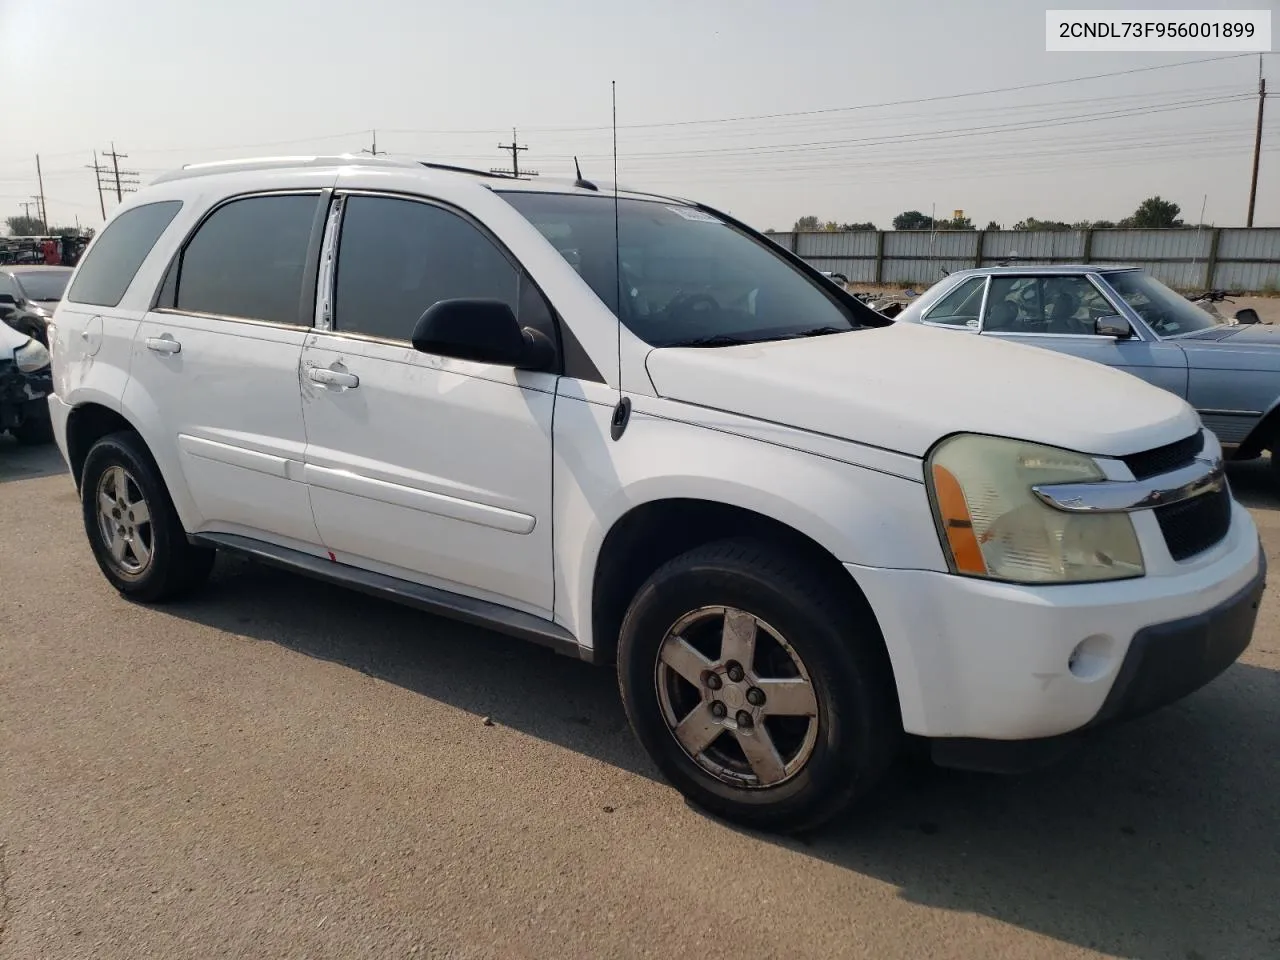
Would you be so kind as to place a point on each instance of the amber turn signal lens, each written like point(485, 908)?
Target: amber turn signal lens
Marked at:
point(957, 524)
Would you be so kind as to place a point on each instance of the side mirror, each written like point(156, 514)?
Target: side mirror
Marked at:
point(485, 331)
point(8, 299)
point(1247, 315)
point(1117, 328)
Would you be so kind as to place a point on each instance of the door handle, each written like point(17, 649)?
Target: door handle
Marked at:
point(164, 344)
point(332, 378)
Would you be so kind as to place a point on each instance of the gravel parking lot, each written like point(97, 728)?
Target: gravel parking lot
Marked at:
point(281, 769)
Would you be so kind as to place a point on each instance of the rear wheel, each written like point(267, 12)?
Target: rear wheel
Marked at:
point(757, 687)
point(132, 526)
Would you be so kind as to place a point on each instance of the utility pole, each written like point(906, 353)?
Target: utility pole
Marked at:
point(375, 151)
point(44, 211)
point(516, 150)
point(1257, 142)
point(98, 169)
point(121, 177)
point(26, 207)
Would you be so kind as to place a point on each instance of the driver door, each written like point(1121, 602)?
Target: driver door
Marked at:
point(1059, 312)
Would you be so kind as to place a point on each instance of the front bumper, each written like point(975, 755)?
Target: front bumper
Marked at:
point(22, 395)
point(1165, 662)
point(982, 660)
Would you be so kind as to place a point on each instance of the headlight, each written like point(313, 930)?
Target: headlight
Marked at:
point(993, 526)
point(31, 356)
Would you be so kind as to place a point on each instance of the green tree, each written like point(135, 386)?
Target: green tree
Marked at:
point(992, 225)
point(1033, 223)
point(807, 225)
point(25, 226)
point(958, 223)
point(1102, 224)
point(1154, 212)
point(866, 225)
point(912, 220)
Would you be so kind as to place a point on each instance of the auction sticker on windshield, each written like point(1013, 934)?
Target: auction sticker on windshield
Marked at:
point(1146, 31)
point(692, 213)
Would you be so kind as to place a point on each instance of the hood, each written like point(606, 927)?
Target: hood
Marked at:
point(905, 386)
point(10, 340)
point(1254, 346)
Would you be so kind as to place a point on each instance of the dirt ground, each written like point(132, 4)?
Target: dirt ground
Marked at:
point(279, 769)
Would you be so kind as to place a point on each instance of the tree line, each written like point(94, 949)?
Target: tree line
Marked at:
point(35, 227)
point(1154, 212)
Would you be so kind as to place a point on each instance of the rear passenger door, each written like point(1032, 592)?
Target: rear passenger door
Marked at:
point(219, 357)
point(426, 467)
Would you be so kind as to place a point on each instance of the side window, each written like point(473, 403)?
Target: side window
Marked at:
point(6, 286)
point(1013, 306)
point(248, 258)
point(1066, 305)
point(114, 260)
point(398, 257)
point(960, 307)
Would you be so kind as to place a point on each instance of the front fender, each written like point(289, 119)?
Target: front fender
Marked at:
point(859, 515)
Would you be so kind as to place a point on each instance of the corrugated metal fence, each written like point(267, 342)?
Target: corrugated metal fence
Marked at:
point(1224, 258)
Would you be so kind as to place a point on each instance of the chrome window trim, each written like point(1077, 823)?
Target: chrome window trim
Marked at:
point(1140, 332)
point(982, 306)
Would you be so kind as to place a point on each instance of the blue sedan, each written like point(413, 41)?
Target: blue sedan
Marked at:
point(1125, 318)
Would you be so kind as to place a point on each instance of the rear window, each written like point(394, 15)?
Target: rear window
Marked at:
point(110, 266)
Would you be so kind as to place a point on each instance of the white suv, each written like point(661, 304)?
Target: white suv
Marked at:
point(799, 530)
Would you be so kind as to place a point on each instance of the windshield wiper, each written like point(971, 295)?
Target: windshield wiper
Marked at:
point(820, 332)
point(718, 340)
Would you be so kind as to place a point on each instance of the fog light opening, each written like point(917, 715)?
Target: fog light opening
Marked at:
point(1092, 657)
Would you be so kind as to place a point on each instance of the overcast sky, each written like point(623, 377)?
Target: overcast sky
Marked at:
point(176, 81)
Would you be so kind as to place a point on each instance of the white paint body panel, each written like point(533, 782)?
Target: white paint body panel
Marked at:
point(905, 386)
point(229, 402)
point(435, 466)
point(503, 485)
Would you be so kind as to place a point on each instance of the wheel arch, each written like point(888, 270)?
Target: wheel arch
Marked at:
point(91, 420)
point(656, 531)
point(1264, 433)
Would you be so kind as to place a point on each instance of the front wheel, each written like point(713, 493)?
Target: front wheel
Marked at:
point(758, 688)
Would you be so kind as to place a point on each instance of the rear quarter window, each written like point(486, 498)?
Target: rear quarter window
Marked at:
point(111, 265)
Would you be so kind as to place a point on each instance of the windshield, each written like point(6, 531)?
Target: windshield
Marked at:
point(687, 276)
point(1167, 313)
point(44, 284)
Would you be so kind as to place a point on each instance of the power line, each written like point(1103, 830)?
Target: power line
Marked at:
point(125, 181)
point(98, 170)
point(516, 150)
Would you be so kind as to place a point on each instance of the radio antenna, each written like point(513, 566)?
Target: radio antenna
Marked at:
point(622, 412)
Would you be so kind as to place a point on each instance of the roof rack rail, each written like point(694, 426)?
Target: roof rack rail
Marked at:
point(266, 163)
point(494, 174)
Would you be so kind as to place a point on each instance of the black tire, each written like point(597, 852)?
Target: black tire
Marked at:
point(34, 430)
point(175, 565)
point(833, 634)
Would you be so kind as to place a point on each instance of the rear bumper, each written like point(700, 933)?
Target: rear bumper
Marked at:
point(1165, 662)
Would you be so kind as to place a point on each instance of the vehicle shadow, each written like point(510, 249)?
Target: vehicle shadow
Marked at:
point(18, 462)
point(1158, 840)
point(1254, 483)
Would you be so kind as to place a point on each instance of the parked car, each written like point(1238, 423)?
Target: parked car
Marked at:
point(25, 383)
point(28, 296)
point(1125, 318)
point(799, 530)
